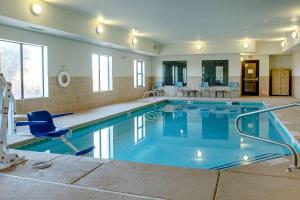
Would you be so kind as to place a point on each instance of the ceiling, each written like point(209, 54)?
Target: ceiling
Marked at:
point(177, 21)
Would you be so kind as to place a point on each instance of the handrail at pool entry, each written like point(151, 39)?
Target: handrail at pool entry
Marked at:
point(294, 153)
point(147, 94)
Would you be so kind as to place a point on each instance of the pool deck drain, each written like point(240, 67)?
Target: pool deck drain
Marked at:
point(88, 178)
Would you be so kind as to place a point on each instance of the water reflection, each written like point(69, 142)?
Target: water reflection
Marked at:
point(250, 124)
point(103, 142)
point(139, 129)
point(215, 124)
point(175, 124)
point(176, 135)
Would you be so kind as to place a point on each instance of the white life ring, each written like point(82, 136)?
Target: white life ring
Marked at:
point(64, 79)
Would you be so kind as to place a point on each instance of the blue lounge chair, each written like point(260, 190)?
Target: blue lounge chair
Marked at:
point(159, 87)
point(178, 88)
point(233, 87)
point(204, 88)
point(41, 126)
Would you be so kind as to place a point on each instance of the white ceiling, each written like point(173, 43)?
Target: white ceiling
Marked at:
point(177, 21)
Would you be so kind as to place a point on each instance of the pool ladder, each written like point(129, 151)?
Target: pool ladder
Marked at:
point(293, 151)
point(148, 93)
point(152, 115)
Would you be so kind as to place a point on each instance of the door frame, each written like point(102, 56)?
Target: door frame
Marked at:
point(243, 76)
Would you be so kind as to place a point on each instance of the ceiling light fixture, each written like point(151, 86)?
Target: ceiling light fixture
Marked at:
point(36, 8)
point(99, 29)
point(134, 41)
point(283, 44)
point(295, 34)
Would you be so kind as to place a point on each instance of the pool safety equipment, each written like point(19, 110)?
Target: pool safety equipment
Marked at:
point(41, 125)
point(64, 79)
point(7, 123)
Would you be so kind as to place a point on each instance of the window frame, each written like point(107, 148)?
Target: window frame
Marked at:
point(212, 65)
point(44, 68)
point(110, 76)
point(175, 72)
point(137, 74)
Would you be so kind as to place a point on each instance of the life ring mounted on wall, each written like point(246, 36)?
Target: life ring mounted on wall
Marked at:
point(64, 79)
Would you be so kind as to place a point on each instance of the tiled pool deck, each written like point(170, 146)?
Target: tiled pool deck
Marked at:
point(73, 177)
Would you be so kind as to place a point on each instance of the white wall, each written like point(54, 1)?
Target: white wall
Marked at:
point(70, 23)
point(194, 63)
point(295, 63)
point(208, 47)
point(280, 61)
point(76, 56)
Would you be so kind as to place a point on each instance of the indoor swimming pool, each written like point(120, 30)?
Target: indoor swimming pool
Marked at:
point(192, 134)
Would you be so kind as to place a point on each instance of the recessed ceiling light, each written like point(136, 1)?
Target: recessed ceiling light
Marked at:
point(245, 157)
point(295, 34)
point(283, 44)
point(99, 29)
point(36, 8)
point(246, 45)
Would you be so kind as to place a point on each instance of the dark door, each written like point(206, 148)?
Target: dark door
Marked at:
point(250, 77)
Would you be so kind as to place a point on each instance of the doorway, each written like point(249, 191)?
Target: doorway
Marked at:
point(250, 77)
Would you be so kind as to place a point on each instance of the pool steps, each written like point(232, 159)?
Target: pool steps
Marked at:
point(256, 159)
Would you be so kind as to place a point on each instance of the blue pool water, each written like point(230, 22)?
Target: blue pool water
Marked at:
point(180, 133)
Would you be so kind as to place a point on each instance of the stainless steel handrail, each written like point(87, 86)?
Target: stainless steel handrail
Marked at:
point(146, 94)
point(294, 153)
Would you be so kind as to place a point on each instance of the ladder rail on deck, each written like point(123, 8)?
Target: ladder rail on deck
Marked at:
point(240, 132)
point(153, 92)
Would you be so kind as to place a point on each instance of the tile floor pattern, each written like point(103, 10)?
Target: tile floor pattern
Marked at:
point(88, 178)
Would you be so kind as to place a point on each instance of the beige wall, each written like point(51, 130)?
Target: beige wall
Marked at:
point(79, 95)
point(77, 57)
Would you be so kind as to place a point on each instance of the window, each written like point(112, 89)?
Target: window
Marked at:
point(215, 72)
point(139, 73)
point(175, 71)
point(102, 73)
point(24, 65)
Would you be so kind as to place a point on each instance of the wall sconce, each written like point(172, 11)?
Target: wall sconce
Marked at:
point(199, 46)
point(99, 29)
point(36, 8)
point(246, 45)
point(135, 31)
point(242, 59)
point(134, 41)
point(295, 34)
point(283, 44)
